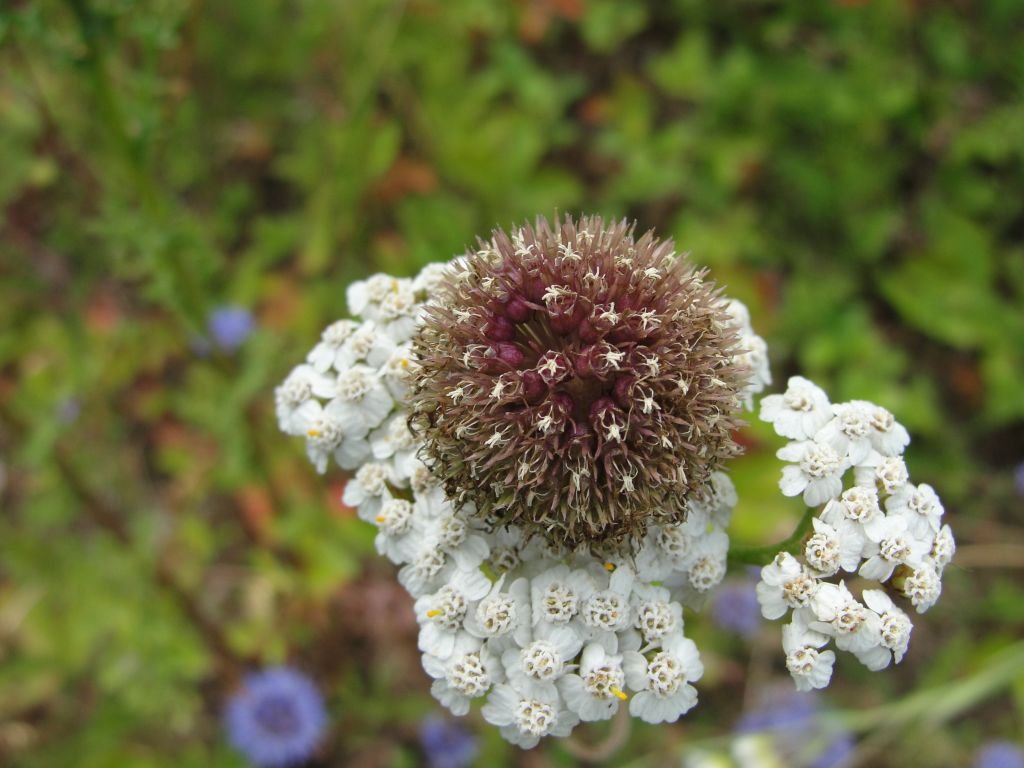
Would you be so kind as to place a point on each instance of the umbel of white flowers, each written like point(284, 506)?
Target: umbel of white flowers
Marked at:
point(549, 633)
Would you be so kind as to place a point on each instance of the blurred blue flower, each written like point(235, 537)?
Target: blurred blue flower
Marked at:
point(446, 744)
point(1018, 478)
point(230, 326)
point(69, 409)
point(801, 738)
point(277, 718)
point(1000, 754)
point(736, 609)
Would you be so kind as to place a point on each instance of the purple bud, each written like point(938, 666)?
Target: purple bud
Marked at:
point(518, 311)
point(534, 387)
point(623, 390)
point(509, 354)
point(500, 329)
point(587, 332)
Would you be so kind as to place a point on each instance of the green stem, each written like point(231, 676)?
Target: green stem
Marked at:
point(764, 555)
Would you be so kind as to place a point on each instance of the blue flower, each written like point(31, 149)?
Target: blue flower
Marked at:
point(445, 744)
point(230, 326)
point(1000, 754)
point(736, 608)
point(801, 738)
point(1018, 479)
point(277, 718)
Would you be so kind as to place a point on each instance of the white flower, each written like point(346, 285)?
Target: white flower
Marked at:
point(943, 548)
point(722, 499)
point(840, 615)
point(890, 471)
point(798, 413)
point(826, 551)
point(503, 617)
point(855, 514)
point(542, 661)
point(396, 372)
point(393, 441)
point(657, 615)
point(849, 432)
point(817, 474)
point(557, 595)
point(895, 624)
point(705, 567)
point(920, 505)
point(784, 584)
point(595, 692)
point(368, 490)
point(665, 693)
point(325, 354)
point(889, 437)
point(754, 356)
point(607, 611)
point(468, 673)
point(891, 544)
point(427, 569)
point(923, 587)
point(506, 549)
point(810, 667)
point(364, 297)
point(362, 401)
point(441, 615)
point(450, 532)
point(302, 385)
point(368, 345)
point(327, 437)
point(395, 539)
point(526, 717)
point(430, 279)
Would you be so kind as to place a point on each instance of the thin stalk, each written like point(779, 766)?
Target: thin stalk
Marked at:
point(764, 555)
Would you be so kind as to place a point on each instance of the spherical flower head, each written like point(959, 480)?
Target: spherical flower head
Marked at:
point(447, 745)
point(230, 326)
point(576, 381)
point(276, 718)
point(1000, 754)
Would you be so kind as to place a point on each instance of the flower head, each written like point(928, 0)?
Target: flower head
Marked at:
point(230, 326)
point(277, 718)
point(445, 744)
point(576, 381)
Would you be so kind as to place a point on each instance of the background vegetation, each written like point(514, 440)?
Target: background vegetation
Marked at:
point(852, 170)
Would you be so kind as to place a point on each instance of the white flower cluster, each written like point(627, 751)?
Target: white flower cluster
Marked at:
point(904, 544)
point(544, 639)
point(754, 354)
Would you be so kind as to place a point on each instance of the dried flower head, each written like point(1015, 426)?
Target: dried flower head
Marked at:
point(576, 381)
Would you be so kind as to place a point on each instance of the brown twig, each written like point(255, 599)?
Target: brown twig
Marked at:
point(595, 754)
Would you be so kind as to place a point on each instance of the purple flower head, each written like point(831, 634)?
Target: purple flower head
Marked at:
point(445, 744)
point(1018, 479)
point(69, 409)
point(736, 609)
point(801, 737)
point(577, 381)
point(1000, 754)
point(230, 326)
point(276, 718)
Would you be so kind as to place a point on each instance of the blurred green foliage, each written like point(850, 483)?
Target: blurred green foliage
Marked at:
point(852, 170)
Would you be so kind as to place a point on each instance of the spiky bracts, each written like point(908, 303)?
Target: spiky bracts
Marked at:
point(576, 381)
